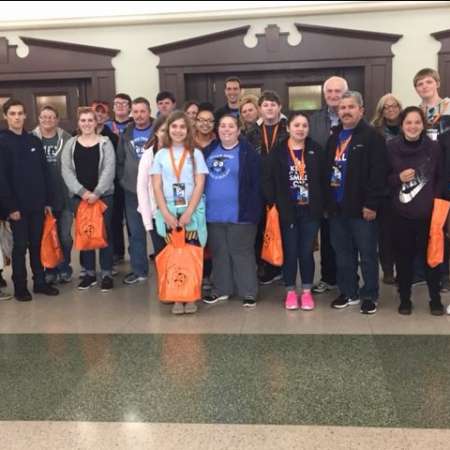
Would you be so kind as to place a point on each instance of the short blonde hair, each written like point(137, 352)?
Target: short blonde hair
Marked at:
point(245, 100)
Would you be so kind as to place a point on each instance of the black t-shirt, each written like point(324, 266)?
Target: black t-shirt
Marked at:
point(86, 165)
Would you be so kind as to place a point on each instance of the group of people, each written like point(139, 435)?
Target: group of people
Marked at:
point(367, 188)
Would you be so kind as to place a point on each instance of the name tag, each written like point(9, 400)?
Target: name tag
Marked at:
point(179, 195)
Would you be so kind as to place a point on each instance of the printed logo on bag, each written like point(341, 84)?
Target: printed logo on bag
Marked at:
point(88, 230)
point(176, 276)
point(267, 239)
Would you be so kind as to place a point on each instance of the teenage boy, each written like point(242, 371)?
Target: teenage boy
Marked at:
point(24, 193)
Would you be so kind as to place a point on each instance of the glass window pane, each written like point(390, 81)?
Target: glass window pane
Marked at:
point(3, 100)
point(305, 98)
point(251, 91)
point(59, 102)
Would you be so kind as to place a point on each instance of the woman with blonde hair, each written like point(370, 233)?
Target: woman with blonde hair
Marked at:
point(387, 116)
point(88, 168)
point(387, 122)
point(248, 112)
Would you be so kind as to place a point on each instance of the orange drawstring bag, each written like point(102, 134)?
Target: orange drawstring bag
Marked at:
point(272, 249)
point(90, 231)
point(51, 252)
point(435, 250)
point(180, 270)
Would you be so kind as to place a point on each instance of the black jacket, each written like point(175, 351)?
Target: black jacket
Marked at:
point(23, 173)
point(276, 180)
point(444, 141)
point(255, 137)
point(366, 178)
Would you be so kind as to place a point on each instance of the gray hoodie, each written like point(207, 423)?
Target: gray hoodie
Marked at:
point(59, 195)
point(106, 169)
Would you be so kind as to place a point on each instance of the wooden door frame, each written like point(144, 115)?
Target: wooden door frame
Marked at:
point(320, 48)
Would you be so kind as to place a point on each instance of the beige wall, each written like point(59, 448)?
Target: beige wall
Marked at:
point(137, 74)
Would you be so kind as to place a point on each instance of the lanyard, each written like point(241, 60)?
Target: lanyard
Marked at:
point(436, 118)
point(341, 148)
point(266, 138)
point(300, 165)
point(177, 170)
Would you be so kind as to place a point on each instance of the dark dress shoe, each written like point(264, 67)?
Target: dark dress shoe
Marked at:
point(23, 296)
point(46, 289)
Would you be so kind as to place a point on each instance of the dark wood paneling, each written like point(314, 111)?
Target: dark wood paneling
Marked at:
point(444, 60)
point(82, 72)
point(332, 50)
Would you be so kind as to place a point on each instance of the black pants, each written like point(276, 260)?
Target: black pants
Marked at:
point(117, 221)
point(327, 255)
point(385, 238)
point(27, 235)
point(411, 239)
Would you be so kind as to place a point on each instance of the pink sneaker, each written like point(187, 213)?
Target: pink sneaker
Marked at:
point(291, 301)
point(307, 301)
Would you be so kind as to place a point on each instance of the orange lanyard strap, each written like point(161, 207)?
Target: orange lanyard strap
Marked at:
point(177, 170)
point(266, 138)
point(341, 148)
point(300, 165)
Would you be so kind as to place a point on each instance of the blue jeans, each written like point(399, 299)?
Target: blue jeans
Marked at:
point(64, 222)
point(298, 245)
point(349, 238)
point(106, 254)
point(138, 236)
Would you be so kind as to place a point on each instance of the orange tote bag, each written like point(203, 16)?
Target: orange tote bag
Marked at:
point(435, 250)
point(90, 232)
point(51, 252)
point(180, 270)
point(272, 250)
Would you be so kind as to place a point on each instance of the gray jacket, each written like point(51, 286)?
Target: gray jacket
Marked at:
point(320, 127)
point(106, 169)
point(127, 161)
point(59, 195)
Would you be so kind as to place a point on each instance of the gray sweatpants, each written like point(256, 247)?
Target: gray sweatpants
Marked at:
point(233, 258)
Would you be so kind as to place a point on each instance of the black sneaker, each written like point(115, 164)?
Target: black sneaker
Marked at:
point(23, 295)
point(212, 299)
point(46, 289)
point(87, 282)
point(2, 280)
point(368, 307)
point(405, 308)
point(249, 302)
point(436, 309)
point(342, 302)
point(107, 284)
point(269, 278)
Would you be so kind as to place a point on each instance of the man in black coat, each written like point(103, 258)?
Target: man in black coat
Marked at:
point(357, 168)
point(24, 195)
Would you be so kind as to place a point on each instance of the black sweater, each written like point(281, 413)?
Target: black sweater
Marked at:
point(276, 180)
point(23, 173)
point(366, 178)
point(414, 200)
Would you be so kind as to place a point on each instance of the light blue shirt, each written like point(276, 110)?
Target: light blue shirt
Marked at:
point(162, 165)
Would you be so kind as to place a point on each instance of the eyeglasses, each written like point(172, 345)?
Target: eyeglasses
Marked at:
point(391, 106)
point(121, 103)
point(206, 121)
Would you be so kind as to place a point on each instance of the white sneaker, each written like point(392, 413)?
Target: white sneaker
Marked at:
point(322, 287)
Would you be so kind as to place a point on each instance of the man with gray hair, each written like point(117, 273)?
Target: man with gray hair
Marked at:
point(320, 126)
point(358, 178)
